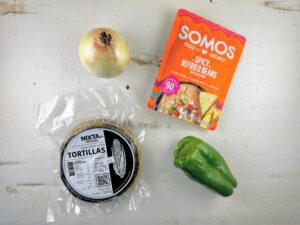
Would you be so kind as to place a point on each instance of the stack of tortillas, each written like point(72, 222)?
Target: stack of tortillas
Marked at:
point(99, 160)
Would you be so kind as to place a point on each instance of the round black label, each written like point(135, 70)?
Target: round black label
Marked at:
point(99, 162)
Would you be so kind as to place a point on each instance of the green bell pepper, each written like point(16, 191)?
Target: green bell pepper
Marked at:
point(204, 164)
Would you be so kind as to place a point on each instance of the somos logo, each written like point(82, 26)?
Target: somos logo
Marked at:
point(196, 38)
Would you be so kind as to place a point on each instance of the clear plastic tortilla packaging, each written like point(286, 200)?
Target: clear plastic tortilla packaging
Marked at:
point(196, 70)
point(98, 135)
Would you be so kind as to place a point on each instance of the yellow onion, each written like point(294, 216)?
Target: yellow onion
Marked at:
point(104, 52)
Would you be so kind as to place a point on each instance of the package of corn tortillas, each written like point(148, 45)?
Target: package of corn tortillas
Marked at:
point(98, 137)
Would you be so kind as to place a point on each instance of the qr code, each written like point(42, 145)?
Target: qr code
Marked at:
point(102, 180)
point(71, 169)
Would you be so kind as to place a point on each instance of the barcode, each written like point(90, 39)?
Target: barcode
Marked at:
point(102, 180)
point(71, 169)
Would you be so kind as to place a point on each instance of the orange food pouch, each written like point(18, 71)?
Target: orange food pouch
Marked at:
point(196, 70)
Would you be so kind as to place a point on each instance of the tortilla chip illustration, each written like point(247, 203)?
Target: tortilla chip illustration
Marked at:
point(206, 101)
point(207, 118)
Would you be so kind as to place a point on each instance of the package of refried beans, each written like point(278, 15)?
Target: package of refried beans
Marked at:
point(196, 70)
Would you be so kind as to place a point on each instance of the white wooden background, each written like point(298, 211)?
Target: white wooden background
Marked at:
point(258, 133)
